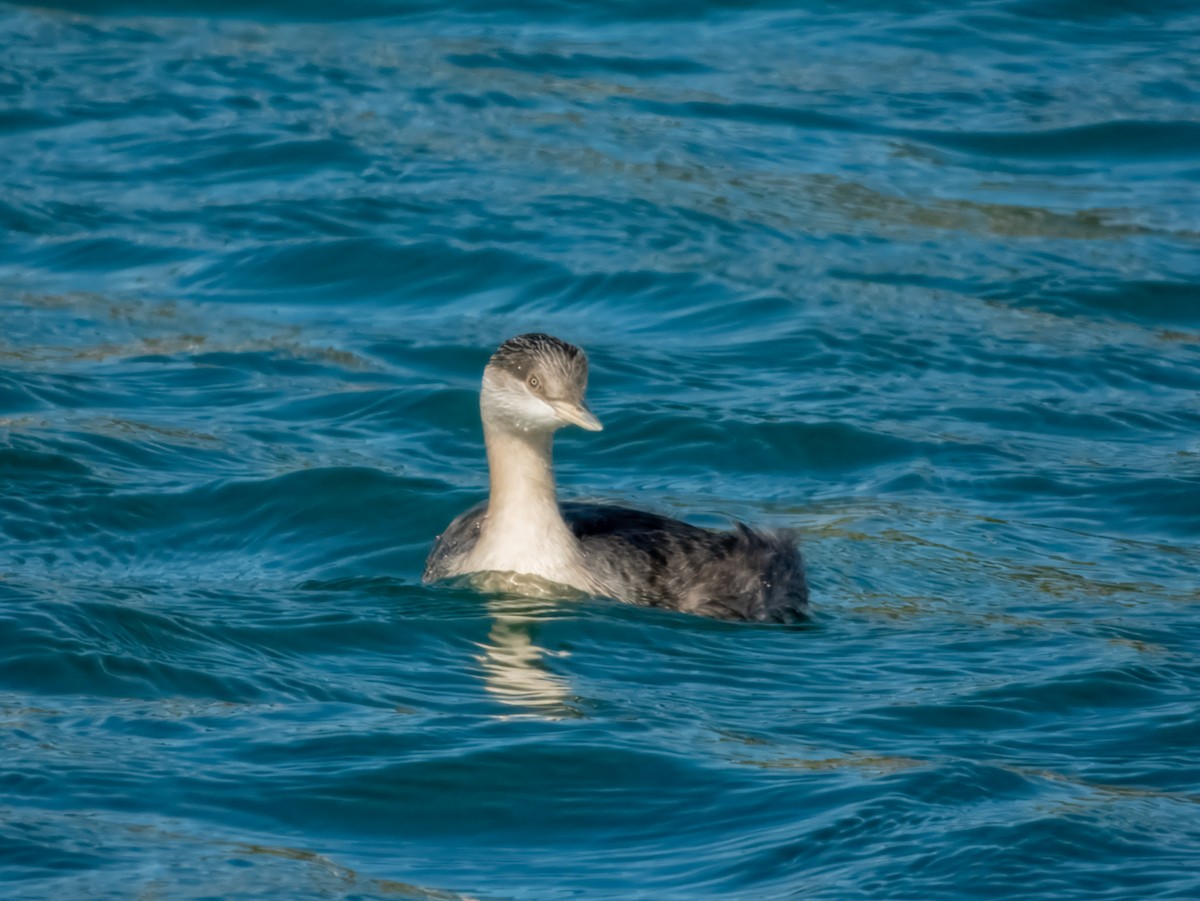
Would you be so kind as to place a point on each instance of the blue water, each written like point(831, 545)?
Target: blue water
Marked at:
point(920, 283)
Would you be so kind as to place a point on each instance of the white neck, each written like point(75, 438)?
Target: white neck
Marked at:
point(524, 531)
point(520, 473)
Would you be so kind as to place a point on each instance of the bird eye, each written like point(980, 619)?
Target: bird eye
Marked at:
point(533, 381)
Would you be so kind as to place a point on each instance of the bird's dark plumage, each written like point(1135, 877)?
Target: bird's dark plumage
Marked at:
point(744, 574)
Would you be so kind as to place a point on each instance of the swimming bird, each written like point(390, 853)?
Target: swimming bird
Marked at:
point(534, 385)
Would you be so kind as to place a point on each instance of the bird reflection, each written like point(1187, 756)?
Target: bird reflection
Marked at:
point(514, 665)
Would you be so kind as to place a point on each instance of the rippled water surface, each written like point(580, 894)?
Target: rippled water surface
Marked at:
point(922, 284)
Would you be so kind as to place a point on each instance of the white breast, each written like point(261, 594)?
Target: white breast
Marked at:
point(534, 545)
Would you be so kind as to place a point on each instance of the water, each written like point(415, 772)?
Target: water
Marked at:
point(922, 284)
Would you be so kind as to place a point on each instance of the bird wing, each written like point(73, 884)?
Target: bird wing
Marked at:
point(657, 561)
point(455, 543)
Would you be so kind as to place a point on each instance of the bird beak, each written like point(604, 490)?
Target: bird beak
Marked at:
point(578, 414)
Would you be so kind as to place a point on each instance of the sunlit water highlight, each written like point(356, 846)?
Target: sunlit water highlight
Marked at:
point(919, 283)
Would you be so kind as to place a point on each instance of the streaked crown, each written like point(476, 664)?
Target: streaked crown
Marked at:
point(538, 352)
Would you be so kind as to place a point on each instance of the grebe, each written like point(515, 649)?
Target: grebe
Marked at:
point(534, 385)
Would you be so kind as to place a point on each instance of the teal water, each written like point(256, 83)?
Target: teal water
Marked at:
point(922, 284)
